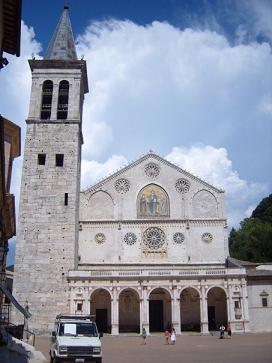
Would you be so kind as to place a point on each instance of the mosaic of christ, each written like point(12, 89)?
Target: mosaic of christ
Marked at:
point(153, 201)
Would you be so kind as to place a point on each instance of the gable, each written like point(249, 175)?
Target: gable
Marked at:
point(152, 188)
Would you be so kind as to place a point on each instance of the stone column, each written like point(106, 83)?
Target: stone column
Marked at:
point(204, 312)
point(72, 302)
point(231, 316)
point(245, 306)
point(176, 310)
point(54, 104)
point(145, 314)
point(114, 313)
point(86, 305)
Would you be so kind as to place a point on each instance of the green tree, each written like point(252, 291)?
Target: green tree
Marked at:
point(253, 240)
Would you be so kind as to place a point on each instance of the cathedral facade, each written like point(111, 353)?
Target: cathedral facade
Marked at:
point(145, 247)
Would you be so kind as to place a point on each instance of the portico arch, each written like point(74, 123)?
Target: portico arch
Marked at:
point(129, 311)
point(217, 307)
point(190, 309)
point(160, 315)
point(100, 301)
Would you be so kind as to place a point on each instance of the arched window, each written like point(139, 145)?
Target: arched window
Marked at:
point(153, 202)
point(47, 92)
point(63, 100)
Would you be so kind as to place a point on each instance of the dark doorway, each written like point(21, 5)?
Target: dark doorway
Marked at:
point(102, 320)
point(156, 315)
point(211, 317)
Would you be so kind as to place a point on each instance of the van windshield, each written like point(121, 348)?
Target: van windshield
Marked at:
point(78, 329)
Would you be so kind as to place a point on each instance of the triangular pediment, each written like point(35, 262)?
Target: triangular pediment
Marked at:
point(149, 157)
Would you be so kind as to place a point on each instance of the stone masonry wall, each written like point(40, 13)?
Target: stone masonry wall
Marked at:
point(46, 247)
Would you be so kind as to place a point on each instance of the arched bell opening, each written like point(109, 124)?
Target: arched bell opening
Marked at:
point(63, 99)
point(47, 93)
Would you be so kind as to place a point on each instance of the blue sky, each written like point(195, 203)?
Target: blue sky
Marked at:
point(189, 79)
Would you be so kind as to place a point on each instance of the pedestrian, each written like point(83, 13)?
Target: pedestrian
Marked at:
point(229, 330)
point(222, 331)
point(144, 335)
point(173, 336)
point(167, 336)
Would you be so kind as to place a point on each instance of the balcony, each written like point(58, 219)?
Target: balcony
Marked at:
point(174, 273)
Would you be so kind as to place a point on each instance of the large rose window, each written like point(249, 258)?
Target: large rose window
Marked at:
point(154, 238)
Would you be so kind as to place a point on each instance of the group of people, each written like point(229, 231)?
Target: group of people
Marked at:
point(170, 334)
point(222, 331)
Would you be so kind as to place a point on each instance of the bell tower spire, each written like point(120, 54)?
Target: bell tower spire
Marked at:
point(62, 45)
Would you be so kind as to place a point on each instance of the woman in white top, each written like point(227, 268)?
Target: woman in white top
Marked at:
point(173, 336)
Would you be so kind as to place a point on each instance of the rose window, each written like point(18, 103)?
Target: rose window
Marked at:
point(154, 238)
point(130, 238)
point(100, 238)
point(182, 185)
point(122, 185)
point(207, 237)
point(152, 170)
point(178, 237)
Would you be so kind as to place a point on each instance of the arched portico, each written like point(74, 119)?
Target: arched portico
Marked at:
point(160, 315)
point(217, 307)
point(129, 311)
point(101, 307)
point(190, 310)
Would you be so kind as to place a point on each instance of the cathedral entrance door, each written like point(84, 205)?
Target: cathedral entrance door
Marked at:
point(211, 318)
point(156, 315)
point(101, 317)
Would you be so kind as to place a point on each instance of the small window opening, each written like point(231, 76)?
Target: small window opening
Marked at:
point(237, 304)
point(79, 306)
point(59, 159)
point(63, 100)
point(264, 302)
point(41, 159)
point(47, 93)
point(66, 199)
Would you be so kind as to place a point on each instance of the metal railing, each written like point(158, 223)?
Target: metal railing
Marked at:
point(20, 332)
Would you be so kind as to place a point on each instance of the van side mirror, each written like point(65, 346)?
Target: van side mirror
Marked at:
point(101, 334)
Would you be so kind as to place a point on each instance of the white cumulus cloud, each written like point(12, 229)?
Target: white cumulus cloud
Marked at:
point(214, 166)
point(92, 170)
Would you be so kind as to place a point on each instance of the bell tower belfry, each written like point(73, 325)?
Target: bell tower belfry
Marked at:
point(47, 238)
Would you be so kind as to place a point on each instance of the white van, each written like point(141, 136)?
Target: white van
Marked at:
point(75, 339)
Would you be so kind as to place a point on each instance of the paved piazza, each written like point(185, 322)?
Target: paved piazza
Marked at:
point(248, 348)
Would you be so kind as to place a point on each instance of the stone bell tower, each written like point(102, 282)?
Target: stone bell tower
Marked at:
point(46, 247)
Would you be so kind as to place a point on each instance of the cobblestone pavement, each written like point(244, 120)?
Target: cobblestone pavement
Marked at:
point(247, 348)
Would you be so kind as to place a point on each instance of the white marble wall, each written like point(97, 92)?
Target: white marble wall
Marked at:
point(103, 209)
point(260, 316)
